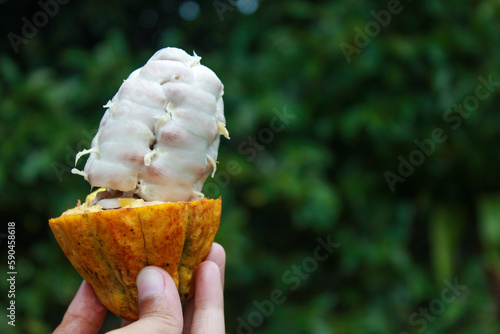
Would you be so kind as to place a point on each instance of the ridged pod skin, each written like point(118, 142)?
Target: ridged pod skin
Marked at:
point(109, 247)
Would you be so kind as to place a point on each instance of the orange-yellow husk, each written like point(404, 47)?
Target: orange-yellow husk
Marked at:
point(109, 247)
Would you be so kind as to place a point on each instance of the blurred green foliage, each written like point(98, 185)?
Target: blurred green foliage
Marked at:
point(319, 173)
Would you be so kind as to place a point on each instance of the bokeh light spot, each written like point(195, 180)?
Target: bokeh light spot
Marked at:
point(247, 7)
point(189, 10)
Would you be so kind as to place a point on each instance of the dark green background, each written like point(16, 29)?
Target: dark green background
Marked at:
point(320, 175)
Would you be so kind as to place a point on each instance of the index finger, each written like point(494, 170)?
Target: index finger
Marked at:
point(218, 256)
point(208, 315)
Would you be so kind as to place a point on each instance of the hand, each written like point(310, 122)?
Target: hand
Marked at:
point(159, 303)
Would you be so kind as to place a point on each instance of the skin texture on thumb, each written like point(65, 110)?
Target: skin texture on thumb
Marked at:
point(159, 304)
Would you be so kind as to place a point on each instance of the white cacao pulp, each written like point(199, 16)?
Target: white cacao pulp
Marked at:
point(159, 136)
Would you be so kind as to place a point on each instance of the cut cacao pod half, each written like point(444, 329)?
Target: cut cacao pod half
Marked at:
point(109, 247)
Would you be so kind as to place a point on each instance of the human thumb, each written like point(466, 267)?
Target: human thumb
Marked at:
point(159, 304)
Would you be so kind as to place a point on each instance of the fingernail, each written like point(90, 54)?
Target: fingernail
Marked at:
point(149, 282)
